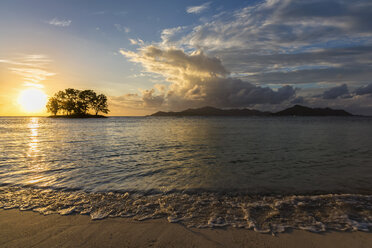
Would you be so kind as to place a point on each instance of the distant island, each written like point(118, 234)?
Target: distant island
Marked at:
point(306, 111)
point(72, 103)
point(296, 110)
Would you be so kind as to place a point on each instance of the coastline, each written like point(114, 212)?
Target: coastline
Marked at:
point(29, 229)
point(263, 214)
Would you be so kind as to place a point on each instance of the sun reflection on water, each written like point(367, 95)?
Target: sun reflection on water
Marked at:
point(33, 126)
point(34, 152)
point(36, 158)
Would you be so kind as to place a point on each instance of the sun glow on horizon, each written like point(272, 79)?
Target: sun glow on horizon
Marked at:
point(32, 100)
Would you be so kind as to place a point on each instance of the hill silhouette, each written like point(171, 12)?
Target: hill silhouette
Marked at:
point(296, 110)
point(211, 111)
point(306, 111)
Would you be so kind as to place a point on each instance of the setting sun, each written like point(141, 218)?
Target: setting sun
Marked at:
point(32, 100)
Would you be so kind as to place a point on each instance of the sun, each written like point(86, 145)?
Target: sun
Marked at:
point(32, 100)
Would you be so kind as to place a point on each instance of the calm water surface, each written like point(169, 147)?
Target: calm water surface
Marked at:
point(256, 155)
point(265, 174)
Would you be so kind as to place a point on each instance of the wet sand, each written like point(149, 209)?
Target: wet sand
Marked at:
point(30, 229)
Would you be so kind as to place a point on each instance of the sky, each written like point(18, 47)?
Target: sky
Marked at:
point(148, 56)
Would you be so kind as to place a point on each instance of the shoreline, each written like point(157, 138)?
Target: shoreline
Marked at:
point(263, 214)
point(29, 229)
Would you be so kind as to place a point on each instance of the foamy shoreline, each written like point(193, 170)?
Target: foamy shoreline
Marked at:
point(30, 229)
point(263, 214)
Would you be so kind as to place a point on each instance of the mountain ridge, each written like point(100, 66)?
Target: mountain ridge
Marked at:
point(296, 110)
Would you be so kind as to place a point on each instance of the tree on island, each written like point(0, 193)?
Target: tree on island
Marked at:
point(100, 104)
point(73, 102)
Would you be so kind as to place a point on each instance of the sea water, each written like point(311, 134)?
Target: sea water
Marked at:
point(262, 173)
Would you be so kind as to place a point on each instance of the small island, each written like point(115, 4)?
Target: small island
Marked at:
point(73, 103)
point(296, 110)
point(299, 110)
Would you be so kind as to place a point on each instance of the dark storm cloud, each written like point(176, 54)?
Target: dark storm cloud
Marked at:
point(335, 92)
point(355, 15)
point(354, 73)
point(298, 100)
point(364, 90)
point(357, 56)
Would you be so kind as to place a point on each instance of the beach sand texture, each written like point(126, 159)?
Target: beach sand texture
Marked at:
point(30, 229)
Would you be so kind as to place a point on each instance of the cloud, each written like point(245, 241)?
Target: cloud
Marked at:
point(199, 80)
point(131, 104)
point(29, 60)
point(299, 41)
point(298, 100)
point(356, 104)
point(102, 12)
point(60, 22)
point(151, 100)
point(31, 67)
point(367, 89)
point(280, 43)
point(176, 63)
point(39, 59)
point(126, 101)
point(35, 85)
point(138, 42)
point(197, 9)
point(32, 75)
point(332, 65)
point(335, 92)
point(281, 25)
point(122, 28)
point(169, 34)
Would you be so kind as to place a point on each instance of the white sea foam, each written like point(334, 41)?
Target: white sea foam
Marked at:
point(265, 214)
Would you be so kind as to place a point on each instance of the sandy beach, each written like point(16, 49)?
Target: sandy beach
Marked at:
point(30, 229)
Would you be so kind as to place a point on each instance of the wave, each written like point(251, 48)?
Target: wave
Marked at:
point(266, 214)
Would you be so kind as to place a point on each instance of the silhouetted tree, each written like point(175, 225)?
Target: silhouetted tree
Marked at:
point(99, 104)
point(86, 98)
point(53, 105)
point(76, 102)
point(71, 101)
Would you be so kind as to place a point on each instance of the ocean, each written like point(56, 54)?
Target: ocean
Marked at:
point(263, 173)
